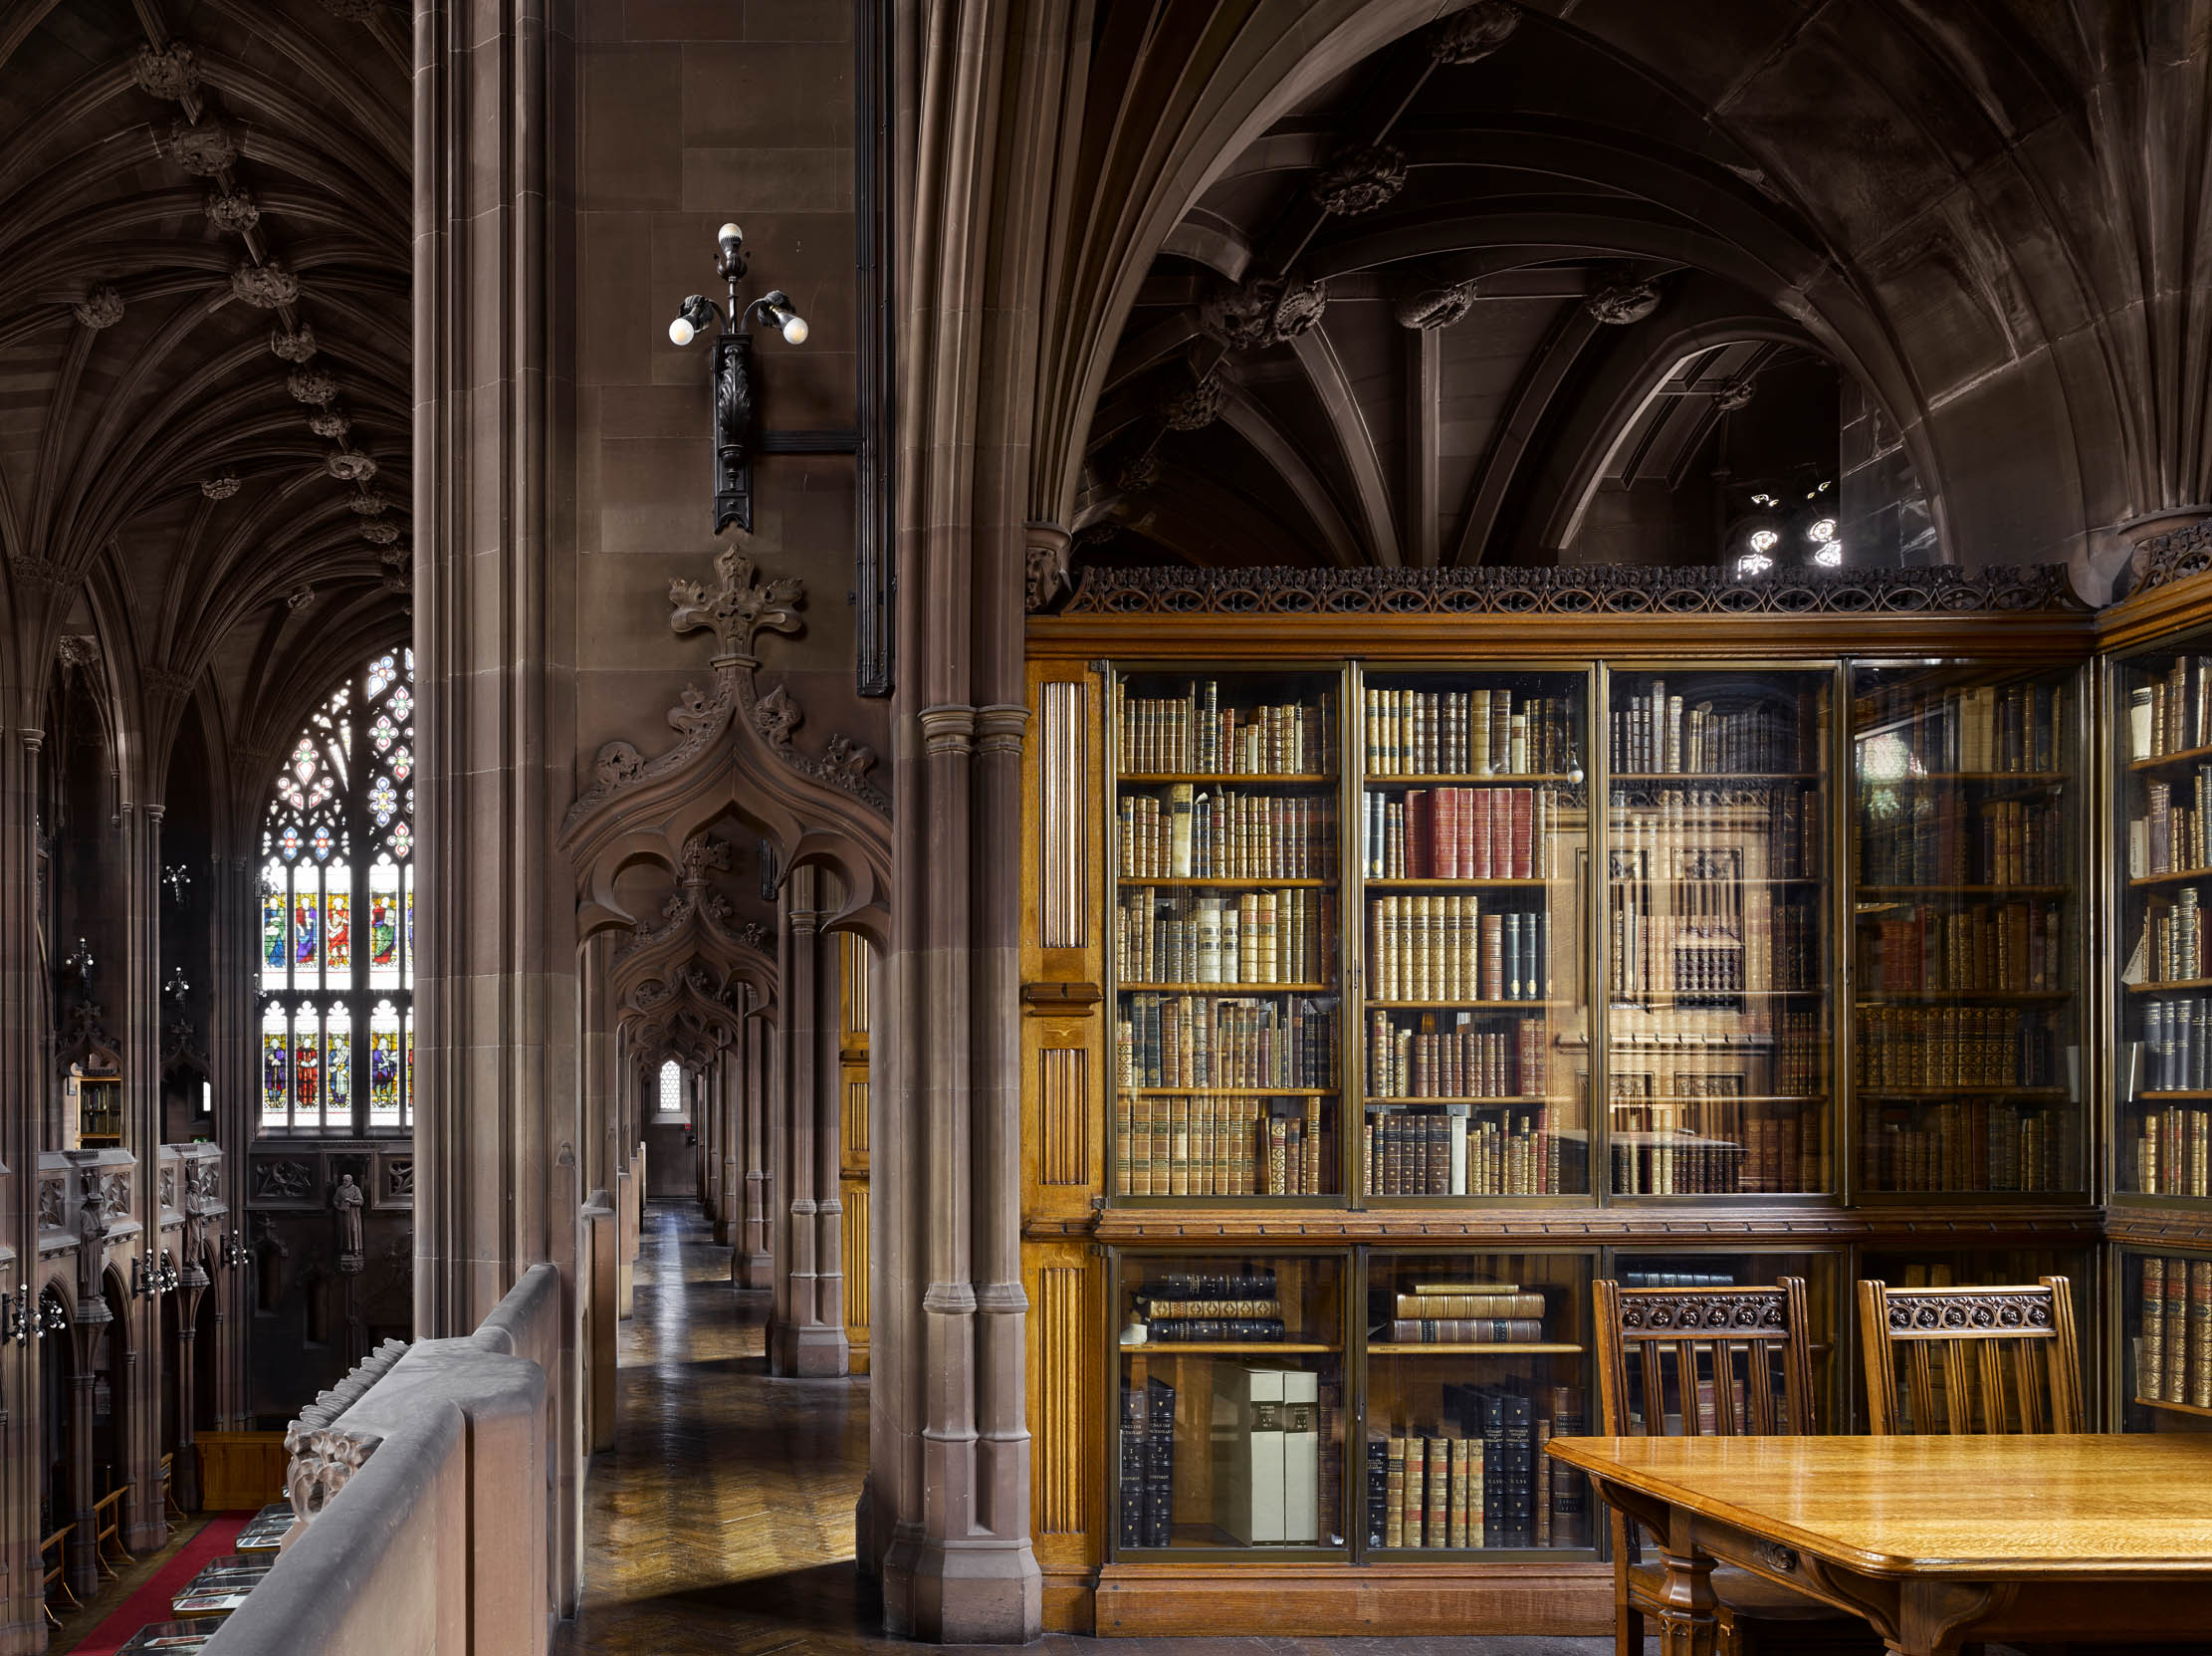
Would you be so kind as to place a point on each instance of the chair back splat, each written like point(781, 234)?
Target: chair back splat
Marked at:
point(1971, 1360)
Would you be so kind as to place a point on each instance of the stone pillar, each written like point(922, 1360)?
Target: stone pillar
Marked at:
point(234, 1058)
point(802, 1339)
point(729, 1186)
point(184, 1470)
point(753, 1262)
point(86, 1329)
point(497, 1000)
point(23, 1068)
point(834, 1344)
point(143, 1524)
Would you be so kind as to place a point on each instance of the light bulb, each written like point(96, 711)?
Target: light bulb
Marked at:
point(729, 233)
point(681, 331)
point(794, 331)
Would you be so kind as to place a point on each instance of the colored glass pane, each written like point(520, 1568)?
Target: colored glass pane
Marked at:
point(383, 733)
point(383, 800)
point(339, 939)
point(272, 927)
point(322, 842)
point(274, 1069)
point(337, 1051)
point(289, 842)
point(306, 1066)
point(384, 928)
point(379, 675)
point(403, 765)
point(407, 1062)
point(408, 965)
point(383, 1063)
point(304, 930)
point(302, 759)
point(402, 703)
point(403, 838)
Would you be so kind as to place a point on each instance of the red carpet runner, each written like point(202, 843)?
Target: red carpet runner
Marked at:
point(152, 1601)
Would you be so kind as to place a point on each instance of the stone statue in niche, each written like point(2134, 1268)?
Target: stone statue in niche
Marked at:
point(346, 1202)
point(92, 1237)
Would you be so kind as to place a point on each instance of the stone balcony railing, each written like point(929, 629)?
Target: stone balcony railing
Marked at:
point(421, 1501)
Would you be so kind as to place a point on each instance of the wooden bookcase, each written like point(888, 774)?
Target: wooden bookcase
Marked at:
point(1625, 1038)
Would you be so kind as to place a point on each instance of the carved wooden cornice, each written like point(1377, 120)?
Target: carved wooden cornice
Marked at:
point(2173, 556)
point(1692, 590)
point(735, 755)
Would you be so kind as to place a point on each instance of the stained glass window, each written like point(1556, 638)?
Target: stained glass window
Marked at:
point(339, 823)
point(672, 1089)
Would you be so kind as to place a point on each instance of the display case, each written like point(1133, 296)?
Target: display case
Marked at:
point(1966, 930)
point(1230, 1403)
point(2166, 1361)
point(1473, 854)
point(1717, 1024)
point(2163, 1061)
point(1472, 1362)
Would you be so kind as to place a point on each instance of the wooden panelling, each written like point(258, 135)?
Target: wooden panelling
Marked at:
point(1063, 806)
point(1063, 1080)
point(1323, 1600)
point(1066, 1283)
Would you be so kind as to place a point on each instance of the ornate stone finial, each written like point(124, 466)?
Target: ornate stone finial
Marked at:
point(234, 209)
point(1359, 180)
point(202, 148)
point(265, 285)
point(1735, 393)
point(293, 345)
point(168, 73)
point(101, 306)
point(351, 465)
point(311, 386)
point(1262, 312)
point(742, 605)
point(298, 598)
point(333, 423)
point(1427, 308)
point(702, 853)
point(1617, 296)
point(1192, 402)
point(1046, 557)
point(1467, 36)
point(842, 756)
point(369, 504)
point(380, 533)
point(221, 486)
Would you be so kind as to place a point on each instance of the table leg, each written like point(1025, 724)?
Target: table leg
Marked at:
point(1685, 1619)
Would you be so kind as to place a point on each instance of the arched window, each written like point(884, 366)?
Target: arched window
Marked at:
point(672, 1089)
point(337, 1034)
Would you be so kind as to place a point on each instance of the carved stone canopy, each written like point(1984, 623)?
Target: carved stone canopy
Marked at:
point(1361, 180)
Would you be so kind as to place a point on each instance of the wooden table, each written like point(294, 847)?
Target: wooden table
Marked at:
point(1934, 1540)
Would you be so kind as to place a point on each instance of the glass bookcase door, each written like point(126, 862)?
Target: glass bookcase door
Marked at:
point(1473, 846)
point(1231, 1402)
point(1968, 1059)
point(1226, 950)
point(1825, 1302)
point(1473, 1362)
point(2163, 1072)
point(2166, 1331)
point(1718, 1010)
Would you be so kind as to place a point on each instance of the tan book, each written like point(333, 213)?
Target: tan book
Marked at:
point(1394, 1513)
point(1437, 1508)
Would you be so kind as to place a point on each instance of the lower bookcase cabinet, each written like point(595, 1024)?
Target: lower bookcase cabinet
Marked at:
point(2165, 1367)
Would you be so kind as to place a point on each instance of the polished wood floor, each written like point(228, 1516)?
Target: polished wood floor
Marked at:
point(723, 1520)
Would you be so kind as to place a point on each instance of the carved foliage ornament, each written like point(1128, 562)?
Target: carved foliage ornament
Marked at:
point(221, 486)
point(101, 306)
point(368, 503)
point(1434, 307)
point(1471, 35)
point(1599, 591)
point(378, 533)
point(329, 423)
point(169, 73)
point(265, 285)
point(1617, 296)
point(1691, 1311)
point(1263, 312)
point(203, 148)
point(311, 386)
point(351, 465)
point(2173, 556)
point(234, 210)
point(1361, 180)
point(1192, 402)
point(293, 345)
point(1946, 1313)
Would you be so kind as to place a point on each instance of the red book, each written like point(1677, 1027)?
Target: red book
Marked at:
point(1480, 832)
point(1463, 815)
point(1448, 834)
point(1524, 836)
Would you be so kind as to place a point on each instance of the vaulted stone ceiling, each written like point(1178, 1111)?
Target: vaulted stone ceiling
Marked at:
point(1443, 307)
point(205, 230)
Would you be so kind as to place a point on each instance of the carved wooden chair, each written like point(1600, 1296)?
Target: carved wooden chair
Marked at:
point(1975, 1359)
point(1698, 1362)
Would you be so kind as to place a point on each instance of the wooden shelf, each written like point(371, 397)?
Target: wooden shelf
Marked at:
point(2172, 1092)
point(1938, 996)
point(1427, 1348)
point(2161, 1404)
point(1717, 776)
point(1465, 1006)
point(1409, 883)
point(1253, 881)
point(2168, 761)
point(1746, 1098)
point(1491, 1102)
point(1909, 1094)
point(2165, 988)
point(1226, 1092)
point(1242, 778)
point(1225, 988)
point(2176, 875)
point(2042, 778)
point(1215, 1347)
point(1966, 890)
point(1459, 778)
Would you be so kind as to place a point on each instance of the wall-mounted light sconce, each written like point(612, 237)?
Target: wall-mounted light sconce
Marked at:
point(150, 1280)
point(15, 1314)
point(733, 370)
point(234, 1251)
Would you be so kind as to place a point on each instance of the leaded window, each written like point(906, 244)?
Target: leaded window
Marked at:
point(337, 1039)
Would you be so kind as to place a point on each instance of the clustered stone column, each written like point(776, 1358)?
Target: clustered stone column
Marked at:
point(751, 1261)
point(807, 1325)
point(23, 1048)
